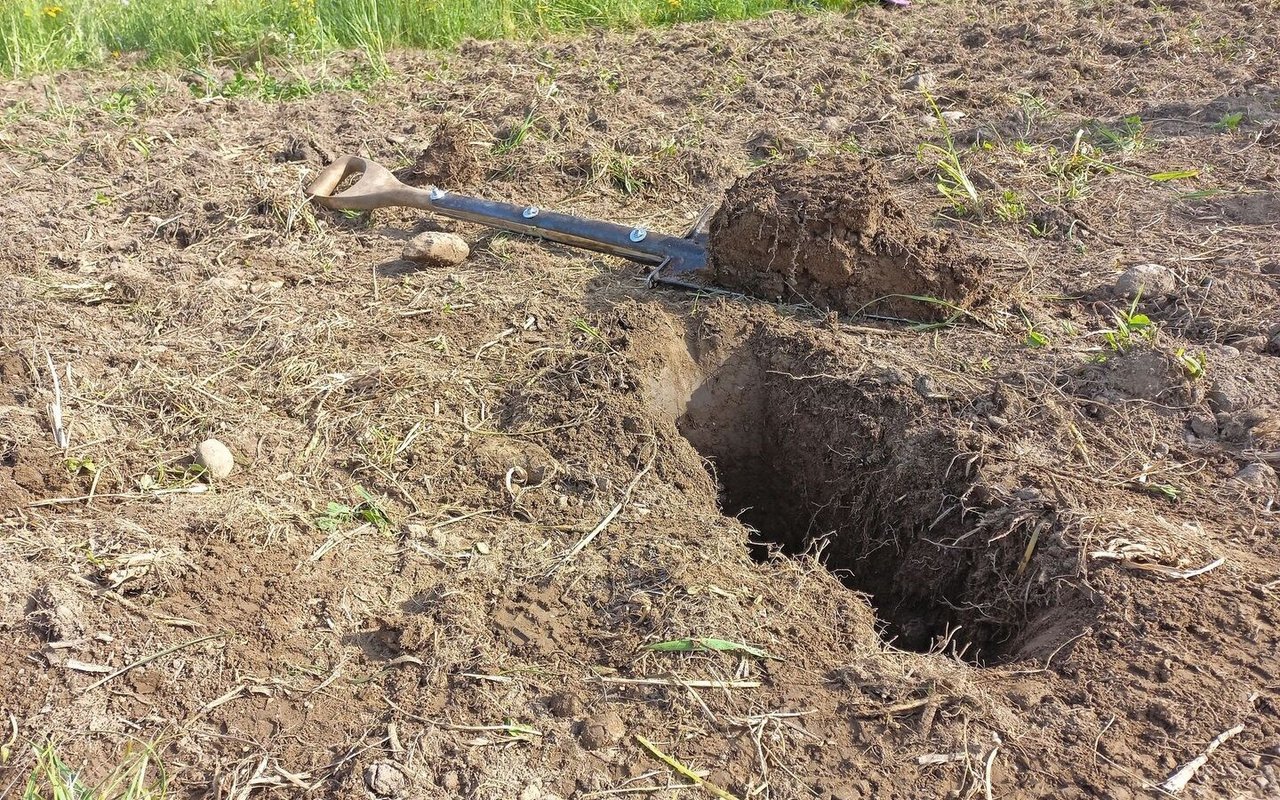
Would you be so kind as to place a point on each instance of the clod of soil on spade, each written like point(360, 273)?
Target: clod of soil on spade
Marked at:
point(450, 158)
point(1146, 280)
point(831, 233)
point(437, 249)
point(216, 459)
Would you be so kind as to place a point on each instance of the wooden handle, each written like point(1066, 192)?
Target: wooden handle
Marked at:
point(376, 188)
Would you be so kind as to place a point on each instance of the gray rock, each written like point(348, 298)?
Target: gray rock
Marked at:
point(1151, 280)
point(216, 459)
point(920, 82)
point(437, 249)
point(385, 779)
point(1258, 475)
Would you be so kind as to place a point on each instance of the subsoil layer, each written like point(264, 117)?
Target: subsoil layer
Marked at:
point(1021, 540)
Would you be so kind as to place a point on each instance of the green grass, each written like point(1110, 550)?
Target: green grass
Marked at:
point(138, 776)
point(38, 36)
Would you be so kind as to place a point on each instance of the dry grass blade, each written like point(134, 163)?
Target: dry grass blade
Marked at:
point(697, 779)
point(148, 659)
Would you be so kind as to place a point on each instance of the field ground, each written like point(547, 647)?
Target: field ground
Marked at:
point(1029, 550)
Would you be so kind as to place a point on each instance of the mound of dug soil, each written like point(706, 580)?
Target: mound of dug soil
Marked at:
point(831, 233)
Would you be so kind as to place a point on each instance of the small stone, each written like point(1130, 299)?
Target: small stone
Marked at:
point(266, 285)
point(1224, 350)
point(437, 249)
point(1149, 280)
point(920, 82)
point(1204, 426)
point(1250, 760)
point(1253, 344)
point(482, 548)
point(1258, 475)
point(532, 792)
point(385, 779)
point(602, 730)
point(831, 124)
point(216, 459)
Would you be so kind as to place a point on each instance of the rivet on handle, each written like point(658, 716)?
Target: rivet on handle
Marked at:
point(638, 234)
point(529, 212)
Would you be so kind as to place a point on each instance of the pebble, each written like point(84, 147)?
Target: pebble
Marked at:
point(216, 459)
point(832, 124)
point(1151, 280)
point(450, 781)
point(920, 82)
point(949, 117)
point(437, 249)
point(385, 779)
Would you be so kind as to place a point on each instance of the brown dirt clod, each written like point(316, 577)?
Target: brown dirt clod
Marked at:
point(830, 232)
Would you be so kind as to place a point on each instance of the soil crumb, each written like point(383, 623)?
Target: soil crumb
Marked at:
point(830, 232)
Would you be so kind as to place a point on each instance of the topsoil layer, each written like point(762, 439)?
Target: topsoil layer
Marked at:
point(1032, 554)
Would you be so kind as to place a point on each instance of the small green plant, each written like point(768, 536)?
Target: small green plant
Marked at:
point(1072, 169)
point(1194, 364)
point(1010, 207)
point(1128, 137)
point(80, 466)
point(368, 511)
point(953, 181)
point(139, 776)
point(1036, 339)
point(1230, 123)
point(1165, 490)
point(515, 136)
point(1131, 328)
point(622, 172)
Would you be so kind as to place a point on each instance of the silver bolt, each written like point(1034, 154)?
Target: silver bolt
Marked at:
point(638, 234)
point(436, 193)
point(530, 212)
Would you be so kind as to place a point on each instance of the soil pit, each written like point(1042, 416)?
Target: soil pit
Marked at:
point(831, 233)
point(865, 475)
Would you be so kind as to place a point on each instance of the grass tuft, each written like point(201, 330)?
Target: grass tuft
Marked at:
point(41, 36)
point(139, 776)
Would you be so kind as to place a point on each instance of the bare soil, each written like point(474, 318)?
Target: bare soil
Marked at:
point(981, 562)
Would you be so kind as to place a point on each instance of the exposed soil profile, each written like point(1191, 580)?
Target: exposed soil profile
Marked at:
point(831, 233)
